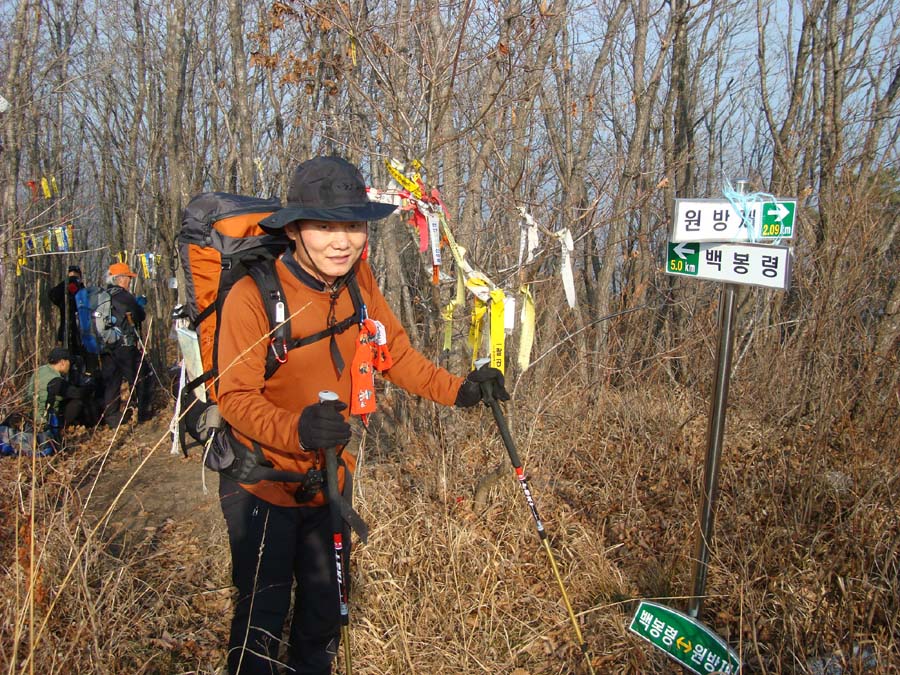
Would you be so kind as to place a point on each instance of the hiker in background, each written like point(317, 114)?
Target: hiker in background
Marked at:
point(120, 362)
point(63, 296)
point(59, 402)
point(281, 535)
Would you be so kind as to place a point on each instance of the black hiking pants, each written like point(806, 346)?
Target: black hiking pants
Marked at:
point(119, 365)
point(275, 550)
point(123, 364)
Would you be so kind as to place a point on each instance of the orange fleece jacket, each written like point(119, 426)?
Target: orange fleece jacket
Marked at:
point(268, 411)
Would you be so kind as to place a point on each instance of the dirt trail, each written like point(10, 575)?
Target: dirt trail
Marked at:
point(151, 485)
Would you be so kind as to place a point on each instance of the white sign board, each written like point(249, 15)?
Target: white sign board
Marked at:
point(750, 264)
point(718, 220)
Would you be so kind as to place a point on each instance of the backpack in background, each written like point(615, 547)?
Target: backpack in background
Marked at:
point(96, 323)
point(22, 442)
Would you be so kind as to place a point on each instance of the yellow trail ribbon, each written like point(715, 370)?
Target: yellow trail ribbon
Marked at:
point(447, 313)
point(144, 265)
point(458, 253)
point(45, 187)
point(21, 260)
point(475, 328)
point(526, 338)
point(408, 184)
point(498, 330)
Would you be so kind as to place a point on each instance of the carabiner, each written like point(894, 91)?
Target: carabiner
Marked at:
point(284, 352)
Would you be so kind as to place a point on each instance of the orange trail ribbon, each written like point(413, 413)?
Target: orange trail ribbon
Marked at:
point(371, 354)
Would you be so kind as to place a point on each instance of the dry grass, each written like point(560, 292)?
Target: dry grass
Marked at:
point(805, 560)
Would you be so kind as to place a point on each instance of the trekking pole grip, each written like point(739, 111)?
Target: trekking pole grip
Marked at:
point(487, 391)
point(327, 398)
point(499, 418)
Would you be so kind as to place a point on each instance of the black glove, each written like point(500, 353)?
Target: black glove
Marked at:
point(471, 391)
point(322, 426)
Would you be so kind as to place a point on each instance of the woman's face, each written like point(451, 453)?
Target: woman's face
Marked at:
point(325, 249)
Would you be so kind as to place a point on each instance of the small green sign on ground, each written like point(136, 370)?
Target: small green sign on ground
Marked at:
point(684, 639)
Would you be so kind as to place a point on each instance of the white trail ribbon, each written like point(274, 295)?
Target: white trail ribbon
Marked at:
point(526, 339)
point(509, 314)
point(528, 238)
point(567, 246)
point(434, 235)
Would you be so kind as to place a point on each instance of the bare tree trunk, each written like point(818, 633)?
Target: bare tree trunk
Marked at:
point(645, 95)
point(784, 164)
point(14, 123)
point(177, 46)
point(242, 142)
point(684, 103)
point(133, 184)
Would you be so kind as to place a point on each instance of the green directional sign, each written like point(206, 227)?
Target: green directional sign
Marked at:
point(684, 639)
point(778, 218)
point(683, 259)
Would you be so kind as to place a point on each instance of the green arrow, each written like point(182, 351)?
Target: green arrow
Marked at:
point(780, 212)
point(683, 250)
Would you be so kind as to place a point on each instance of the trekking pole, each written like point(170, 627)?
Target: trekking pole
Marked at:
point(337, 526)
point(503, 428)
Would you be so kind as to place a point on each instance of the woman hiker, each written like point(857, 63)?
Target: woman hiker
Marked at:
point(281, 534)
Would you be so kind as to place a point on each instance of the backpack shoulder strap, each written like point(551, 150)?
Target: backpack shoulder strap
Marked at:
point(280, 341)
point(274, 302)
point(356, 296)
point(358, 315)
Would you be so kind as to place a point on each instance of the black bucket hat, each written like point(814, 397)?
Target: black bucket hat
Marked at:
point(327, 188)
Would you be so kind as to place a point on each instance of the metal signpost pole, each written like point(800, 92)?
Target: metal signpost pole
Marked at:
point(714, 434)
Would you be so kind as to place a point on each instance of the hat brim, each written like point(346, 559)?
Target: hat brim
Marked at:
point(341, 214)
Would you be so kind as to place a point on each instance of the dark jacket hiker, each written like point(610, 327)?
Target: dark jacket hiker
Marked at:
point(121, 361)
point(63, 296)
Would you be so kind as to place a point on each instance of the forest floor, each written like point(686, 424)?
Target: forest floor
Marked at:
point(130, 565)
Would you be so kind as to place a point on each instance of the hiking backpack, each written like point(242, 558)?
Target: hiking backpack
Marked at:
point(220, 242)
point(96, 323)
